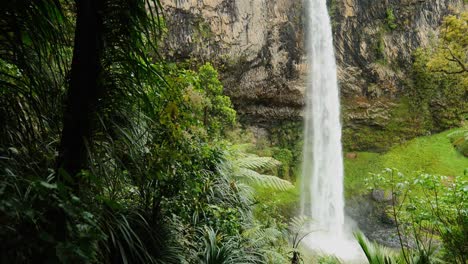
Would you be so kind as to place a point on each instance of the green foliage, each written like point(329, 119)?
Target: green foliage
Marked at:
point(357, 169)
point(425, 206)
point(440, 76)
point(431, 154)
point(401, 124)
point(26, 206)
point(459, 140)
point(221, 250)
point(329, 260)
point(277, 207)
point(152, 157)
point(270, 241)
point(287, 137)
point(201, 101)
point(376, 254)
point(391, 19)
point(248, 167)
point(285, 156)
point(380, 49)
point(297, 231)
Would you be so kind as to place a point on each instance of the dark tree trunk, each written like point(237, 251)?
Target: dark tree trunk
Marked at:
point(83, 93)
point(80, 112)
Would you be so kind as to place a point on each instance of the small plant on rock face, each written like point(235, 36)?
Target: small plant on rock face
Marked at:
point(391, 20)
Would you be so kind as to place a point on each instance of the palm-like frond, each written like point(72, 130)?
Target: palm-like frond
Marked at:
point(376, 254)
point(269, 181)
point(298, 230)
point(254, 162)
point(35, 55)
point(261, 236)
point(221, 250)
point(246, 167)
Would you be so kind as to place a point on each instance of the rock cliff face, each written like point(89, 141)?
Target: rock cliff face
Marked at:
point(258, 46)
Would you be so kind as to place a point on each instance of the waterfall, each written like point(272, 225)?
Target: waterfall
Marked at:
point(322, 170)
point(322, 166)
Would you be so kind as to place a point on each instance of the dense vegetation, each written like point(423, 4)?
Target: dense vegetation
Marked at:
point(110, 154)
point(440, 91)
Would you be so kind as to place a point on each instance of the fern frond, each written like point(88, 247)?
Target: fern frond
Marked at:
point(375, 253)
point(255, 162)
point(260, 236)
point(269, 181)
point(297, 223)
point(274, 256)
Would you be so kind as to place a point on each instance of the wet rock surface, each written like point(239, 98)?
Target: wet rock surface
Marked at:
point(380, 196)
point(258, 46)
point(373, 221)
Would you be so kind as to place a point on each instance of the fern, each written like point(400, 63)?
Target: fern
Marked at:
point(254, 162)
point(264, 239)
point(253, 177)
point(246, 167)
point(375, 253)
point(297, 226)
point(261, 236)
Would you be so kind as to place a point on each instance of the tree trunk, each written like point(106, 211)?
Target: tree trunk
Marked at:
point(80, 112)
point(84, 90)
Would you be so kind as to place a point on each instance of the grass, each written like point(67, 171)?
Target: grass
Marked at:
point(431, 154)
point(358, 169)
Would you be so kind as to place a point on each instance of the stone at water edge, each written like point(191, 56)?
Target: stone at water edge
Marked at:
point(380, 196)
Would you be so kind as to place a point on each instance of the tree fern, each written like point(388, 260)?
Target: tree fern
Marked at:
point(269, 181)
point(268, 240)
point(254, 162)
point(248, 167)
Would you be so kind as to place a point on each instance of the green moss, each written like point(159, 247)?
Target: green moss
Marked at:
point(333, 9)
point(380, 49)
point(288, 136)
point(403, 124)
point(285, 156)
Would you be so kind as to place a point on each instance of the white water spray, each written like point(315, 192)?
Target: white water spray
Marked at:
point(322, 170)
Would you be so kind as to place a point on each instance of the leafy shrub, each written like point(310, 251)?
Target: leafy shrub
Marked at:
point(439, 72)
point(425, 207)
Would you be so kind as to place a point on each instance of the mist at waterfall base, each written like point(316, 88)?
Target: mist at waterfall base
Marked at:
point(322, 196)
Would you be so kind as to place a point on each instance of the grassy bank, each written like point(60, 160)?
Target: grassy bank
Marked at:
point(432, 154)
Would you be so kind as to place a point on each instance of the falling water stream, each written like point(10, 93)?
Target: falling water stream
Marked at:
point(322, 170)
